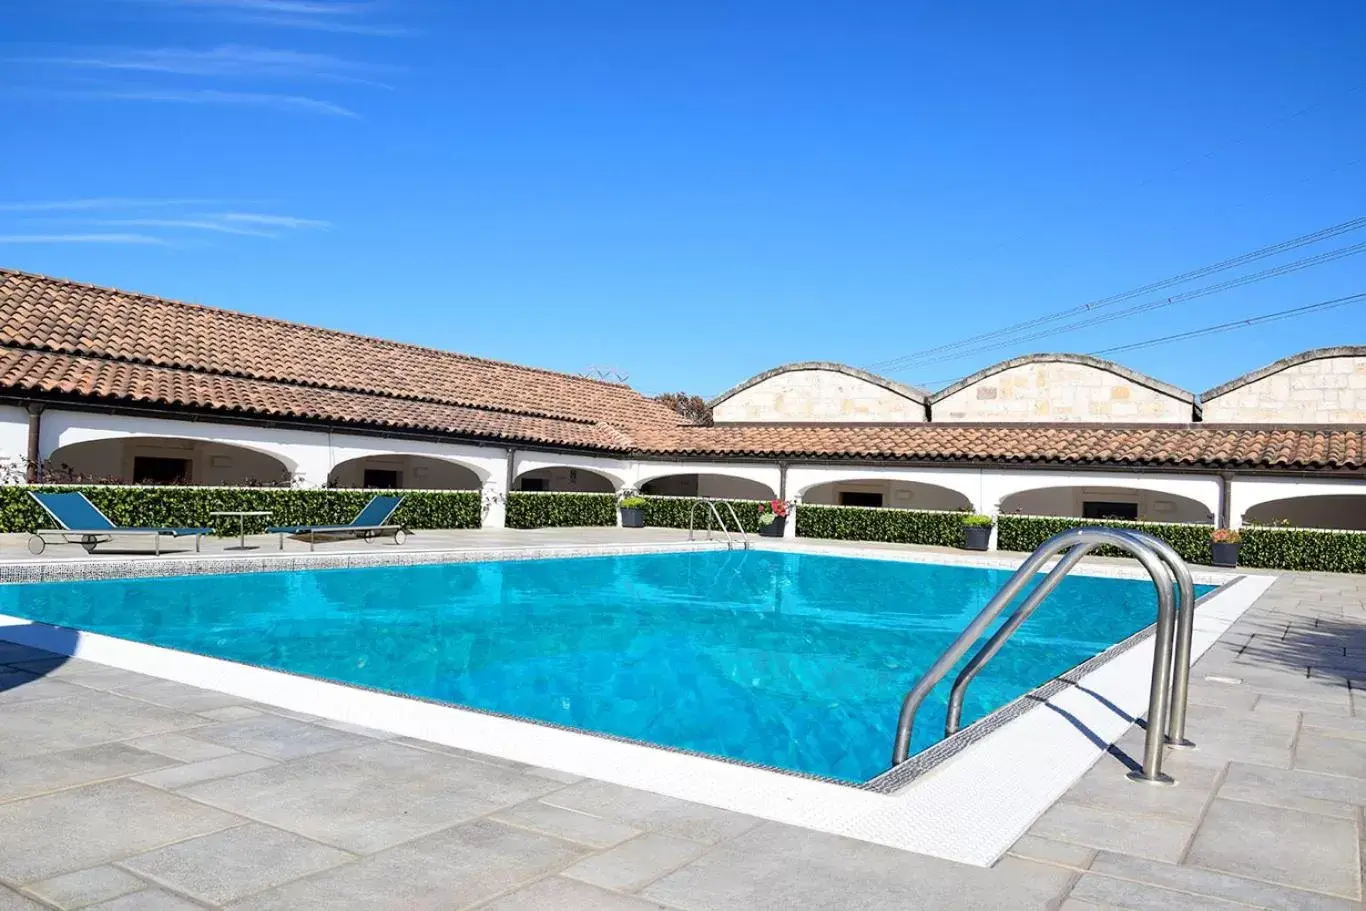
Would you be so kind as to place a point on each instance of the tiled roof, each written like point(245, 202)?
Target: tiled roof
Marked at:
point(139, 384)
point(56, 315)
point(59, 338)
point(1221, 446)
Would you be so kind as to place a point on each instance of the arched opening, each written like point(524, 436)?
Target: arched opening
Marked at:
point(165, 460)
point(885, 493)
point(1107, 503)
point(1346, 512)
point(402, 472)
point(563, 480)
point(707, 485)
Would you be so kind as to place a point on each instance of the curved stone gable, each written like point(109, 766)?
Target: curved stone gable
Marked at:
point(1322, 386)
point(1062, 388)
point(819, 392)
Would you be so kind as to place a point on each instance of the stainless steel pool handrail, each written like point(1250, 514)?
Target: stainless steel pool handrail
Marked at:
point(740, 529)
point(1085, 539)
point(1185, 631)
point(1185, 618)
point(720, 522)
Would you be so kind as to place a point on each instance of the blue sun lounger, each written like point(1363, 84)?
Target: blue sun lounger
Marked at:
point(370, 522)
point(82, 523)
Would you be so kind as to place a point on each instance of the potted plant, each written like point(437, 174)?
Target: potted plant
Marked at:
point(632, 512)
point(1225, 542)
point(772, 518)
point(976, 531)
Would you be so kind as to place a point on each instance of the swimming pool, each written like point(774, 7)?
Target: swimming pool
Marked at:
point(790, 660)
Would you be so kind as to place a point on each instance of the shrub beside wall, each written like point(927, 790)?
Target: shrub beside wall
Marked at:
point(1025, 533)
point(673, 512)
point(1304, 549)
point(866, 523)
point(190, 506)
point(554, 510)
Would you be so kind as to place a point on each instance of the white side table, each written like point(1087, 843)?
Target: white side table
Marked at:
point(241, 524)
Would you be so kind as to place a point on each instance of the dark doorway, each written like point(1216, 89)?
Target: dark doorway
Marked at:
point(159, 470)
point(380, 479)
point(1101, 509)
point(859, 498)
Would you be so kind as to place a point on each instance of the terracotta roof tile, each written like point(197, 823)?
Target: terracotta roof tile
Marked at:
point(1212, 446)
point(56, 315)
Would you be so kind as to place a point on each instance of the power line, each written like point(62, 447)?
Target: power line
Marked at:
point(1272, 250)
point(1149, 306)
point(1238, 324)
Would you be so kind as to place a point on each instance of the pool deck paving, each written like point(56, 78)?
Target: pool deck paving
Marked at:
point(124, 791)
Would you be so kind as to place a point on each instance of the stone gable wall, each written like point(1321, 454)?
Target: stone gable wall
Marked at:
point(1058, 391)
point(817, 396)
point(1326, 391)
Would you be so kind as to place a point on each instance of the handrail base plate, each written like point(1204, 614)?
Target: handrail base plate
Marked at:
point(1161, 778)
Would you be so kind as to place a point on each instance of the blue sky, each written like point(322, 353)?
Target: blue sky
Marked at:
point(694, 192)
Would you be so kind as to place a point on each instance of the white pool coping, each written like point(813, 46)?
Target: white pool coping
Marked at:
point(970, 809)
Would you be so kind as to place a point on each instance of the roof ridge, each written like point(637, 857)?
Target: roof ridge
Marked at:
point(321, 329)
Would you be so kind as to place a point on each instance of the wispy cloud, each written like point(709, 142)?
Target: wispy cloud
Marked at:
point(142, 239)
point(187, 224)
point(231, 61)
point(322, 15)
point(276, 221)
point(99, 202)
point(298, 103)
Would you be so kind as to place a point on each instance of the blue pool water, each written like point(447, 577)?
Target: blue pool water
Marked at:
point(788, 660)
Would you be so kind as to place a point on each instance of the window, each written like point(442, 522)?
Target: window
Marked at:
point(158, 470)
point(380, 479)
point(1102, 509)
point(533, 483)
point(859, 498)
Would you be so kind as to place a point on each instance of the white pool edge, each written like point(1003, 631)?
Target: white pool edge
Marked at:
point(969, 809)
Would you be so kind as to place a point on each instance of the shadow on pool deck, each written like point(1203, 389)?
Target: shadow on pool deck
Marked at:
point(23, 664)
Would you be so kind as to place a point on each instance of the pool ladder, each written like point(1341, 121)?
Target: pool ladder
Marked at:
point(1171, 641)
point(711, 503)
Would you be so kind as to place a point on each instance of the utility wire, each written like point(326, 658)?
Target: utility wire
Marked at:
point(1238, 324)
point(1272, 250)
point(1150, 306)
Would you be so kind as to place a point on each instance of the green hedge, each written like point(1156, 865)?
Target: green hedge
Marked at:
point(1304, 549)
point(673, 512)
point(190, 506)
point(867, 523)
point(1024, 533)
point(550, 510)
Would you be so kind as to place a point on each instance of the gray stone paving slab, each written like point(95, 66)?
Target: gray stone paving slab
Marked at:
point(1214, 885)
point(783, 867)
point(180, 747)
point(13, 901)
point(1144, 836)
point(236, 862)
point(654, 812)
point(1105, 892)
point(86, 887)
point(1274, 844)
point(86, 719)
point(277, 738)
point(207, 770)
point(1046, 850)
point(1316, 752)
point(451, 869)
point(570, 825)
point(39, 774)
point(1184, 804)
point(1327, 795)
point(1334, 726)
point(559, 894)
point(230, 713)
point(368, 798)
point(172, 695)
point(148, 900)
point(635, 863)
point(24, 686)
point(71, 830)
